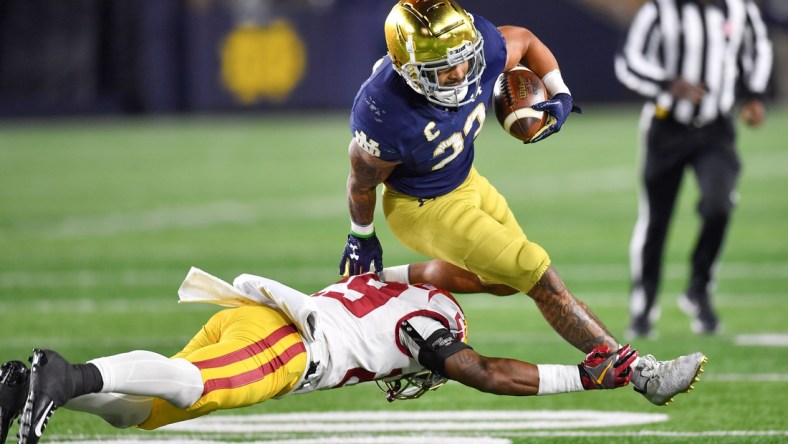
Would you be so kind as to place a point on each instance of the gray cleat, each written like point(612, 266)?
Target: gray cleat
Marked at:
point(660, 381)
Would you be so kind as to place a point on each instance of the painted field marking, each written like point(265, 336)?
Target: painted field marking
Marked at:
point(654, 433)
point(438, 439)
point(586, 273)
point(763, 339)
point(356, 439)
point(432, 421)
point(199, 216)
point(746, 377)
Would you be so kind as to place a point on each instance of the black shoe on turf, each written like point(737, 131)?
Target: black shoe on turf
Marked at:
point(699, 308)
point(13, 390)
point(640, 328)
point(50, 388)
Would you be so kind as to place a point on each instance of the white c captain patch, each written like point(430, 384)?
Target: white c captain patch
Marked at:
point(428, 132)
point(367, 144)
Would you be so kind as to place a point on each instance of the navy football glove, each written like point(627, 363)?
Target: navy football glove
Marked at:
point(605, 370)
point(558, 108)
point(361, 255)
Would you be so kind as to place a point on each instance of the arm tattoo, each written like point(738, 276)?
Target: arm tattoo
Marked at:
point(568, 316)
point(469, 368)
point(361, 188)
point(501, 376)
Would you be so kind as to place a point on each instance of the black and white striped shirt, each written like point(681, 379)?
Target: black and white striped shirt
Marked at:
point(722, 44)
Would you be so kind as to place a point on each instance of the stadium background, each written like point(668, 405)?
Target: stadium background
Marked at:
point(141, 137)
point(196, 56)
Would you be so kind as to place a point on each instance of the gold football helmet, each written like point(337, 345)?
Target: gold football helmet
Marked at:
point(425, 37)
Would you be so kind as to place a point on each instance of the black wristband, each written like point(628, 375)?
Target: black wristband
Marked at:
point(436, 349)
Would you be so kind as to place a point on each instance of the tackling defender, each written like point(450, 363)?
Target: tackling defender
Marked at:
point(414, 122)
point(278, 341)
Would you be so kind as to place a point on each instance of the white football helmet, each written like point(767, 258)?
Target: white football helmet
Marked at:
point(425, 37)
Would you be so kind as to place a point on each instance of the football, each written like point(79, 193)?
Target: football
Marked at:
point(514, 93)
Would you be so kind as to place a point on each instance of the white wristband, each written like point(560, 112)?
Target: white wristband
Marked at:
point(398, 273)
point(555, 83)
point(363, 230)
point(559, 379)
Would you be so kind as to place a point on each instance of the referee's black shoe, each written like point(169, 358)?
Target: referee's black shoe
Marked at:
point(704, 319)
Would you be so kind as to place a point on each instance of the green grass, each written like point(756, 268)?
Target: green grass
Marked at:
point(100, 220)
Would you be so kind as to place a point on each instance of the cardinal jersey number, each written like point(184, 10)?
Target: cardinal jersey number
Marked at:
point(361, 318)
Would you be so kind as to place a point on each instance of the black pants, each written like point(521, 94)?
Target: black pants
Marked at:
point(670, 149)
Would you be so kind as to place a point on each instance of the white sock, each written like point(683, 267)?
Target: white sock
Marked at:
point(151, 374)
point(118, 410)
point(398, 273)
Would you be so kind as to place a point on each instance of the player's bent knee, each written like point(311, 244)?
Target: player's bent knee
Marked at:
point(498, 289)
point(191, 388)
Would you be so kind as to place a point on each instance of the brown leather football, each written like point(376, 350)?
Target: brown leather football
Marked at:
point(514, 93)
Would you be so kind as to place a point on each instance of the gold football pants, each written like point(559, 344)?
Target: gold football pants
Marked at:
point(471, 227)
point(246, 355)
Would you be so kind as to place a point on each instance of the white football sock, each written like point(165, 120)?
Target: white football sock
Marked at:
point(151, 374)
point(118, 410)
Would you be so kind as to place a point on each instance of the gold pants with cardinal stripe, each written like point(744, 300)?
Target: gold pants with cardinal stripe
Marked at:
point(246, 355)
point(471, 227)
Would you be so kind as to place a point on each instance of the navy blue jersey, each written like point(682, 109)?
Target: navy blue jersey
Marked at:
point(434, 144)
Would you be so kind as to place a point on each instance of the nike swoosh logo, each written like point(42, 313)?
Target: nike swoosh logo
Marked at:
point(39, 430)
point(604, 372)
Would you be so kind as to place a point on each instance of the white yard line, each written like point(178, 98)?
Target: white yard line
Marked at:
point(357, 439)
point(655, 433)
point(146, 278)
point(205, 215)
point(124, 280)
point(424, 421)
point(763, 339)
point(432, 438)
point(745, 377)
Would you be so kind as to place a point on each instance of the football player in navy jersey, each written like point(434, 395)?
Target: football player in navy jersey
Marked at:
point(413, 126)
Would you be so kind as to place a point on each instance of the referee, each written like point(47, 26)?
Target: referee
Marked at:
point(692, 60)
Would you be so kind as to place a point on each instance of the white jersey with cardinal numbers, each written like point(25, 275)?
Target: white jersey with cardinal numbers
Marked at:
point(355, 329)
point(362, 321)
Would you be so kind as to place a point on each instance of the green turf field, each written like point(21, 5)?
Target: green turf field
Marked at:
point(100, 221)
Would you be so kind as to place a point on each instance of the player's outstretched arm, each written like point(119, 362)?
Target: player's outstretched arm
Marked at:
point(499, 376)
point(602, 369)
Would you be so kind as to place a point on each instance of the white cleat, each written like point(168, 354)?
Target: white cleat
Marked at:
point(660, 381)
